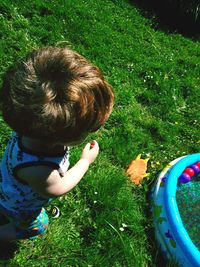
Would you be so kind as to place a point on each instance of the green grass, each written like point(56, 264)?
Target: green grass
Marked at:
point(155, 76)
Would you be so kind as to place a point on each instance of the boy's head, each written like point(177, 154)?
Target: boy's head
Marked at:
point(55, 95)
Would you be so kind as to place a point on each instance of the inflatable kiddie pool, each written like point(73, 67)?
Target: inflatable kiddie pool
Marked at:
point(176, 210)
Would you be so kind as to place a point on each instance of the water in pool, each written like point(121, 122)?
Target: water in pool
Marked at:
point(188, 201)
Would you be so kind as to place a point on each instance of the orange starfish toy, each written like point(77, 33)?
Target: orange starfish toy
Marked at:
point(136, 170)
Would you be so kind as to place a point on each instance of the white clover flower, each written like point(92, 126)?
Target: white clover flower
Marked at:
point(121, 229)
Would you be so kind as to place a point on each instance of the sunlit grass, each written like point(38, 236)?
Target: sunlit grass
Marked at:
point(106, 220)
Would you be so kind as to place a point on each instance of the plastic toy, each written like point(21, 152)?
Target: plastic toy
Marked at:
point(137, 170)
point(172, 232)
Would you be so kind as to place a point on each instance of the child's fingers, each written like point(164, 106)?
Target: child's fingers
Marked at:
point(87, 147)
point(90, 151)
point(94, 146)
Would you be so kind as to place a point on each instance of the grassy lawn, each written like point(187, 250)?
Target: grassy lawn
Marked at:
point(155, 75)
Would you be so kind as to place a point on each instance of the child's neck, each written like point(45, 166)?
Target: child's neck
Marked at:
point(36, 145)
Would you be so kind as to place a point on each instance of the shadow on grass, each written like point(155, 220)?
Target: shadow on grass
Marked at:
point(8, 250)
point(158, 257)
point(169, 18)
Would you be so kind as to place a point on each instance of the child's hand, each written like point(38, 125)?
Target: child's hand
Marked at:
point(90, 151)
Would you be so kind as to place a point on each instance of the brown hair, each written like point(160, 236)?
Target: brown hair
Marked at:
point(55, 94)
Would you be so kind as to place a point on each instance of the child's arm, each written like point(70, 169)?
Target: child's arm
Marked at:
point(49, 183)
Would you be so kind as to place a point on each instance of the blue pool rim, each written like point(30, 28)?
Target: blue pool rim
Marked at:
point(180, 234)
